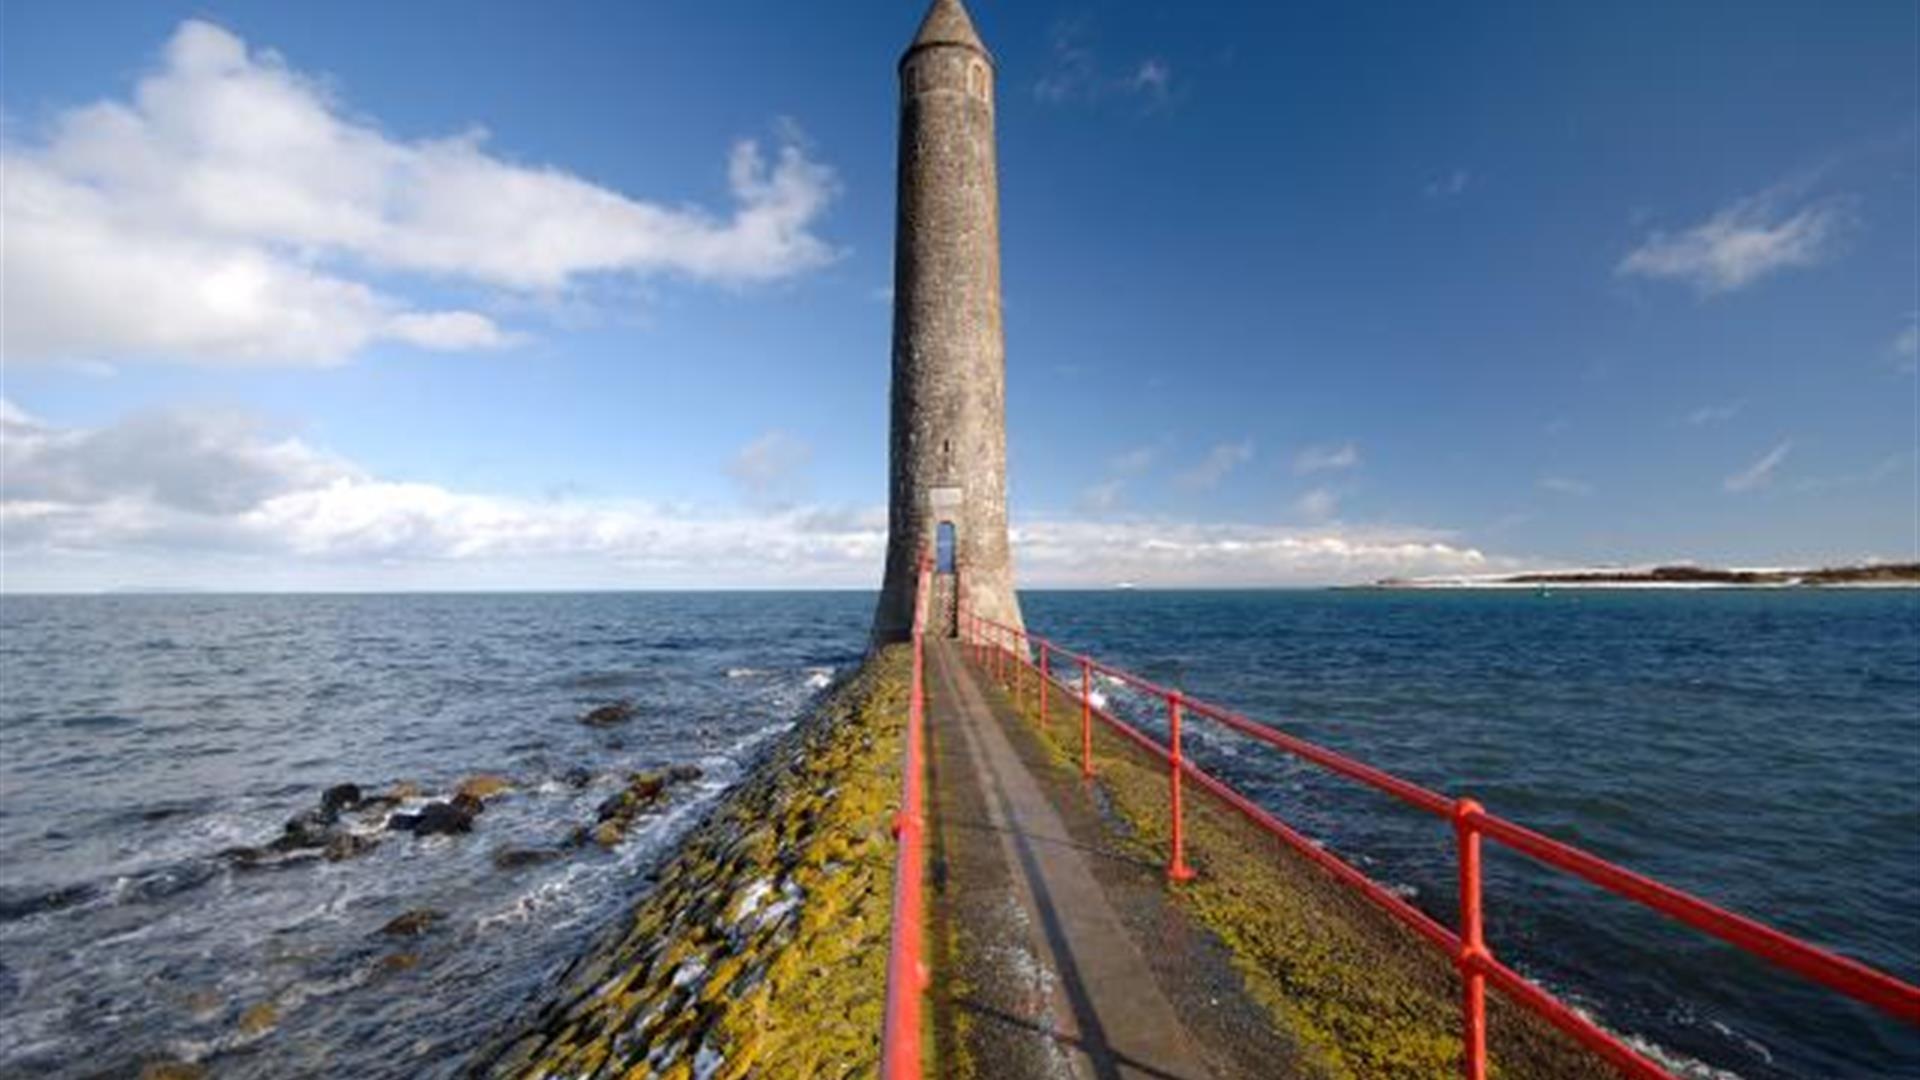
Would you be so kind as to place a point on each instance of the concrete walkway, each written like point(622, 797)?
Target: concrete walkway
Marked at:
point(1035, 971)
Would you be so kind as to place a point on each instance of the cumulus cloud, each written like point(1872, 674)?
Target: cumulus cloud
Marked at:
point(1315, 459)
point(210, 498)
point(1220, 461)
point(231, 210)
point(1742, 243)
point(1760, 473)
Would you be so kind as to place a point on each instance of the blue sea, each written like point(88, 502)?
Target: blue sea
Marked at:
point(1759, 748)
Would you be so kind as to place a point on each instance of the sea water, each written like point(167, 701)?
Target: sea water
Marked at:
point(1758, 748)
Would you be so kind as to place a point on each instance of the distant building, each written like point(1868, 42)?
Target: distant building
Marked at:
point(948, 472)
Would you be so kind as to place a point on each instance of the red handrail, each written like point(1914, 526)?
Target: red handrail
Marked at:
point(906, 967)
point(1471, 824)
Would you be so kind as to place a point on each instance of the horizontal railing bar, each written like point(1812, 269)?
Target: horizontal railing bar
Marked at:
point(1849, 977)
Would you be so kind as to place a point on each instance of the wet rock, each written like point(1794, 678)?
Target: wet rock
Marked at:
point(173, 1070)
point(513, 858)
point(577, 837)
point(607, 715)
point(484, 786)
point(434, 818)
point(680, 774)
point(402, 791)
point(339, 797)
point(259, 1019)
point(413, 923)
point(468, 804)
point(578, 777)
point(399, 962)
point(609, 833)
point(309, 829)
point(345, 845)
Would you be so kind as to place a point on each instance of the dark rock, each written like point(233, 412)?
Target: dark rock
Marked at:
point(414, 923)
point(339, 797)
point(345, 845)
point(577, 837)
point(513, 858)
point(607, 715)
point(468, 804)
point(578, 777)
point(310, 829)
point(435, 817)
point(680, 774)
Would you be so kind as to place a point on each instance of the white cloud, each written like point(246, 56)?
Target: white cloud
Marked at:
point(1742, 243)
point(1220, 461)
point(771, 470)
point(212, 499)
point(1315, 459)
point(1565, 485)
point(1715, 414)
point(231, 210)
point(1760, 473)
point(1319, 504)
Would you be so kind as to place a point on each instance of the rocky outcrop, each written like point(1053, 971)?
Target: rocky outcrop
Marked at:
point(761, 951)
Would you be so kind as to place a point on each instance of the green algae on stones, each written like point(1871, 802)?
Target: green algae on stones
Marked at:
point(762, 948)
point(1365, 995)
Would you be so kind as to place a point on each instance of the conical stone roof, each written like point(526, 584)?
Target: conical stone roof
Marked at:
point(947, 23)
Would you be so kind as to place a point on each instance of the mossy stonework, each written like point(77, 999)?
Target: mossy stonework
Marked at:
point(1364, 996)
point(761, 950)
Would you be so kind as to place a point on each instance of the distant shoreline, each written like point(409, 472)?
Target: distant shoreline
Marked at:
point(1874, 576)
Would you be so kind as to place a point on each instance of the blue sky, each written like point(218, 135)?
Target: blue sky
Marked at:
point(454, 295)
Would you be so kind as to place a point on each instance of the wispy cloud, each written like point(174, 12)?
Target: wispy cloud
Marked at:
point(1714, 413)
point(1743, 242)
point(1077, 76)
point(1327, 457)
point(1564, 485)
point(771, 469)
point(1103, 496)
point(232, 210)
point(1317, 505)
point(1905, 346)
point(1448, 186)
point(1220, 461)
point(1760, 473)
point(200, 498)
point(1137, 460)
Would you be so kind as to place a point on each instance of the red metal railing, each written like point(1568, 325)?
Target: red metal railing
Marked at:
point(906, 967)
point(1003, 651)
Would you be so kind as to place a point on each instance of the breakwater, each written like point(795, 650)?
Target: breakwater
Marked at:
point(761, 947)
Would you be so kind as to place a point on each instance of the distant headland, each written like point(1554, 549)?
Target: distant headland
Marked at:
point(1677, 576)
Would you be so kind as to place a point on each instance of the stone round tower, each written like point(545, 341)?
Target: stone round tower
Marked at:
point(947, 493)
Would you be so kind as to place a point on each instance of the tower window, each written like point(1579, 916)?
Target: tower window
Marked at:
point(943, 548)
point(977, 79)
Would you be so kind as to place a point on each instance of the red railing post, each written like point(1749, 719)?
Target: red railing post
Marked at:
point(1046, 722)
point(1473, 944)
point(1177, 868)
point(1086, 718)
point(1019, 671)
